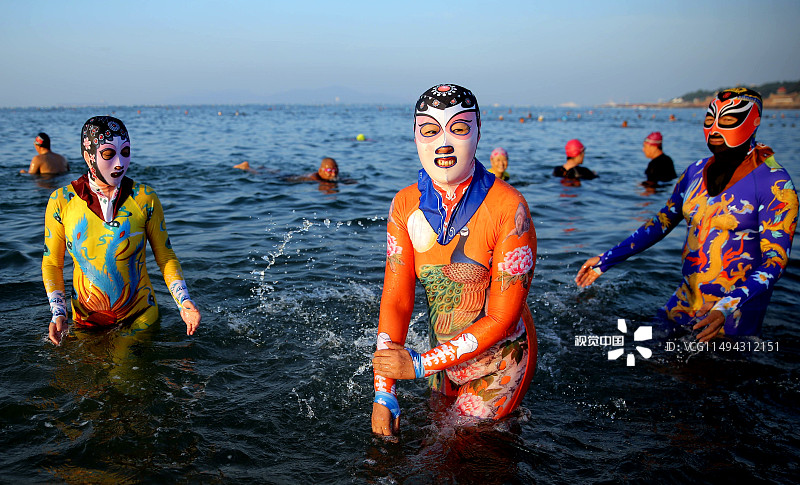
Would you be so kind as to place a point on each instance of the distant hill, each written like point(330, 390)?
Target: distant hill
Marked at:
point(789, 98)
point(765, 90)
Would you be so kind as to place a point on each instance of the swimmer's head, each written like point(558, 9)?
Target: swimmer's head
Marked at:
point(106, 149)
point(732, 119)
point(447, 127)
point(328, 170)
point(652, 145)
point(574, 148)
point(654, 138)
point(42, 140)
point(499, 160)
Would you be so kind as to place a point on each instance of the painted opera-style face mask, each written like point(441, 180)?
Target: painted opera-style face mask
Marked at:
point(106, 149)
point(446, 130)
point(732, 119)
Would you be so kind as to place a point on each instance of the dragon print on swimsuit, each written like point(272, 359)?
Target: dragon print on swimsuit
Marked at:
point(737, 242)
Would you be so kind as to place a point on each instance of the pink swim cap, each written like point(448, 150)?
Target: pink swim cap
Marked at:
point(497, 152)
point(654, 138)
point(574, 148)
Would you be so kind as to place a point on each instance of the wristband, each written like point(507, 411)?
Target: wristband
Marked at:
point(726, 305)
point(179, 292)
point(389, 400)
point(419, 367)
point(181, 307)
point(58, 305)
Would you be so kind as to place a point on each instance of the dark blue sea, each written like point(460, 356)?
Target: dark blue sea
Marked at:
point(276, 385)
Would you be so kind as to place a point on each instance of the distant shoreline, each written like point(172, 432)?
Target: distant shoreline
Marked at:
point(776, 95)
point(691, 105)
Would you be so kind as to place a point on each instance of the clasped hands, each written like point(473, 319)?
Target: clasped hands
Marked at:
point(393, 362)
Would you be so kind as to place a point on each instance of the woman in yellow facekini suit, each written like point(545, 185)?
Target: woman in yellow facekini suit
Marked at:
point(103, 220)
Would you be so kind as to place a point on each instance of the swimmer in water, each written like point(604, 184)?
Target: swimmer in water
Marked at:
point(328, 171)
point(572, 169)
point(660, 168)
point(105, 219)
point(499, 162)
point(741, 211)
point(47, 162)
point(327, 175)
point(468, 238)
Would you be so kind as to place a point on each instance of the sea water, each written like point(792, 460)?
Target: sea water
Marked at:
point(276, 385)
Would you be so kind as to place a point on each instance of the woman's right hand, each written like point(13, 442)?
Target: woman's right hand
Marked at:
point(587, 275)
point(382, 422)
point(58, 329)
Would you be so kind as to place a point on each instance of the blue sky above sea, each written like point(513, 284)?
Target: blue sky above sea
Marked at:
point(513, 53)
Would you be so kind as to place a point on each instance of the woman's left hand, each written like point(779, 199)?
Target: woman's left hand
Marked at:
point(191, 317)
point(394, 362)
point(713, 322)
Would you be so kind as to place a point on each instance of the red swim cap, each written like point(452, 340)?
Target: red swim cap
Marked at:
point(574, 148)
point(654, 138)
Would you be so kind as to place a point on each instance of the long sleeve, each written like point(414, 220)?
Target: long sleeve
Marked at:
point(651, 231)
point(397, 301)
point(777, 217)
point(53, 258)
point(162, 248)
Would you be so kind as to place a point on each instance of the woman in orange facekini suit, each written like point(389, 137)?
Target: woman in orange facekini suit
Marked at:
point(469, 239)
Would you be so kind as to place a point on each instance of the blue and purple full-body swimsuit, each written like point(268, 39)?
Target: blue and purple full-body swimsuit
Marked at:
point(737, 242)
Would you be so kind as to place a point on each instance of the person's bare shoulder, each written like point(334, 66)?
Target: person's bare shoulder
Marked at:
point(64, 163)
point(36, 164)
point(52, 163)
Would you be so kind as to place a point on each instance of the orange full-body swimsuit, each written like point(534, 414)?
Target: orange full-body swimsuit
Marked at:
point(482, 333)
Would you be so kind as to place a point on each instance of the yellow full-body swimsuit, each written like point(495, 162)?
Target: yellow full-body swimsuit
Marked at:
point(110, 281)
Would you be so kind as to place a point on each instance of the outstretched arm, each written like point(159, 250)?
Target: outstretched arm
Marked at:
point(642, 238)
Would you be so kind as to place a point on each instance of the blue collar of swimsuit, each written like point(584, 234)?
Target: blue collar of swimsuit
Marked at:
point(430, 202)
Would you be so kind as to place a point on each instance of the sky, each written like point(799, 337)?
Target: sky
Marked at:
point(518, 53)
